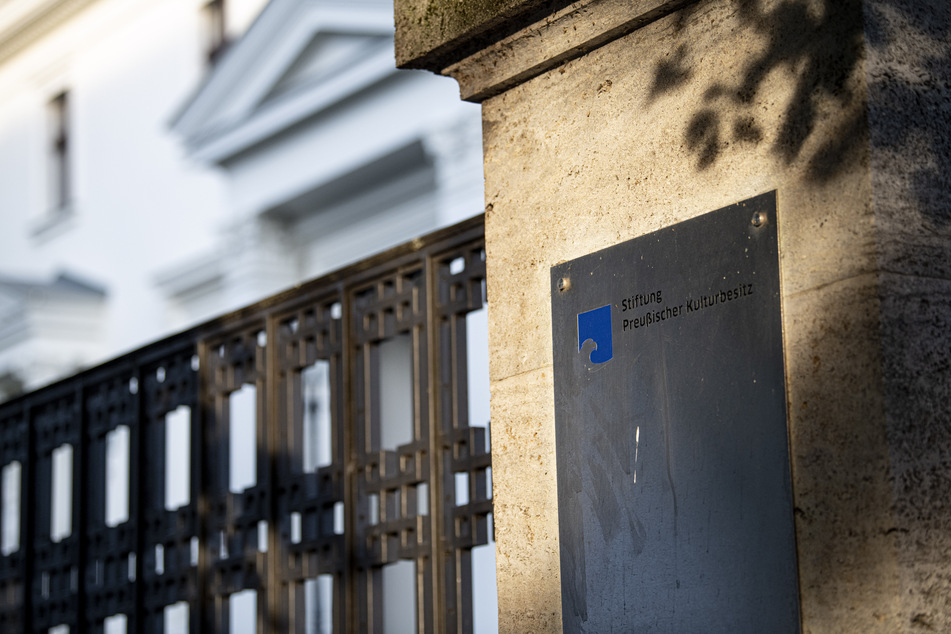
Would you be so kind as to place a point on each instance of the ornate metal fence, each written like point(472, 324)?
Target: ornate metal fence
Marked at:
point(305, 464)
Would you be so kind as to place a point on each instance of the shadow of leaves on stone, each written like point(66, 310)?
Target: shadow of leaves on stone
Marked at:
point(703, 137)
point(822, 48)
point(911, 97)
point(821, 43)
point(670, 73)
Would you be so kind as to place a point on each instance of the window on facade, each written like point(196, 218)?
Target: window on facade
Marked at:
point(213, 16)
point(58, 159)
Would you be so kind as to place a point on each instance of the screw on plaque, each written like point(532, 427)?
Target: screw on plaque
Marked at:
point(564, 284)
point(759, 219)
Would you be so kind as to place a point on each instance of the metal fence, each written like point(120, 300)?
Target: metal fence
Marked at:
point(362, 489)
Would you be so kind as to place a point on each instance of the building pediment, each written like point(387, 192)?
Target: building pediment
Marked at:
point(297, 59)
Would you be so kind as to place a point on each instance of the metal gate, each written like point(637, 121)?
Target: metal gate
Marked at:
point(362, 490)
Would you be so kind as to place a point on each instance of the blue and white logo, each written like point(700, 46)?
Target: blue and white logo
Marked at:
point(595, 325)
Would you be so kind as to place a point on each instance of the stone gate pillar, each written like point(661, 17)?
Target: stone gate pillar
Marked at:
point(605, 120)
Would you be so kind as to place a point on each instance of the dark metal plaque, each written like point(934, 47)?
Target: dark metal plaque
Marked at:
point(675, 502)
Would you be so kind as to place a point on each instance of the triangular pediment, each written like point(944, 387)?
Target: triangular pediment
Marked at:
point(298, 56)
point(326, 56)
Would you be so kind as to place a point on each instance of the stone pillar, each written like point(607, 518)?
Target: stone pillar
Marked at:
point(604, 120)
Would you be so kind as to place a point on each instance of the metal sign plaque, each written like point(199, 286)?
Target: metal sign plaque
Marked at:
point(675, 502)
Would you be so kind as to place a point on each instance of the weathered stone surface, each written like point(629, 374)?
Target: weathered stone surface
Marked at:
point(429, 32)
point(526, 503)
point(909, 86)
point(845, 527)
point(697, 110)
point(608, 120)
point(916, 344)
point(564, 35)
point(611, 146)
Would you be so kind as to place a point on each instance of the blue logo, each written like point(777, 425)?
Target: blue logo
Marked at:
point(595, 326)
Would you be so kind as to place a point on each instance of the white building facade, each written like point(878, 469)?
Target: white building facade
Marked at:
point(330, 152)
point(93, 186)
point(304, 150)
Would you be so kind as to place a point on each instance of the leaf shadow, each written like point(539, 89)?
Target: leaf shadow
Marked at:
point(823, 46)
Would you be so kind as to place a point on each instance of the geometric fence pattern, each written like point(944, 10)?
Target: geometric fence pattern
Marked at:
point(305, 464)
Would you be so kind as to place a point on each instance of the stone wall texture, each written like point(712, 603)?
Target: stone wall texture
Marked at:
point(611, 119)
point(908, 74)
point(435, 30)
point(699, 109)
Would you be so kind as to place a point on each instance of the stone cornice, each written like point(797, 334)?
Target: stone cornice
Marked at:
point(489, 46)
point(24, 22)
point(561, 36)
point(437, 33)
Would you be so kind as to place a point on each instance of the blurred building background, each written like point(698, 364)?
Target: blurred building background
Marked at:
point(166, 161)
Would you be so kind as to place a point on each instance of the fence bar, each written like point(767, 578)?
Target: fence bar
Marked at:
point(295, 464)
